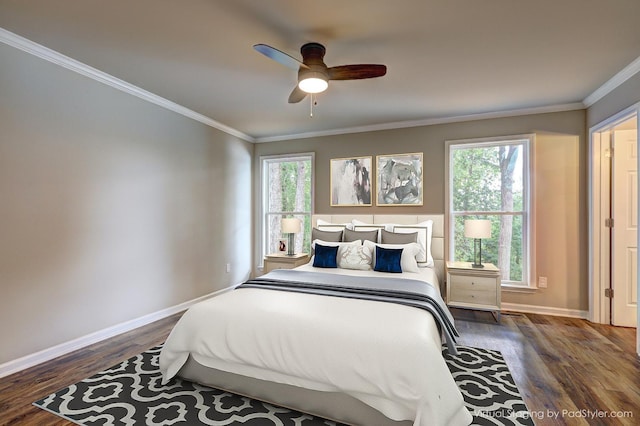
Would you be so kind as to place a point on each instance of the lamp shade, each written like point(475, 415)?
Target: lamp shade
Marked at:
point(291, 225)
point(477, 228)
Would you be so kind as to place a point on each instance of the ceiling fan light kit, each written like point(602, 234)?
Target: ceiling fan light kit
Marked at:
point(313, 83)
point(313, 73)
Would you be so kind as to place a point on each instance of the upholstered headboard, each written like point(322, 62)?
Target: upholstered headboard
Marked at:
point(437, 237)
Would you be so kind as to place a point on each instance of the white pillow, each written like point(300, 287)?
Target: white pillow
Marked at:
point(354, 257)
point(358, 225)
point(424, 230)
point(333, 244)
point(408, 261)
point(328, 226)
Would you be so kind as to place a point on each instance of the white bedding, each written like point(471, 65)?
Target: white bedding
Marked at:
point(386, 355)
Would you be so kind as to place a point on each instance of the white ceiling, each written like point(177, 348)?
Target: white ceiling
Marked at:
point(445, 58)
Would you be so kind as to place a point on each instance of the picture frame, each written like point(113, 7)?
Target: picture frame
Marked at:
point(282, 245)
point(351, 181)
point(399, 179)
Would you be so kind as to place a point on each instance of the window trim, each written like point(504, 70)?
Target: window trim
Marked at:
point(264, 160)
point(529, 281)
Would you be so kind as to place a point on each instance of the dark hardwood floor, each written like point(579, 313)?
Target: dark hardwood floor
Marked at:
point(564, 367)
point(569, 371)
point(20, 390)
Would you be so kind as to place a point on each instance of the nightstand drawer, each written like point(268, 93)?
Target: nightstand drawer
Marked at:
point(474, 296)
point(465, 282)
point(474, 288)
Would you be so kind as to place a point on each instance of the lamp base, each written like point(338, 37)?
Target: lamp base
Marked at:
point(477, 241)
point(290, 248)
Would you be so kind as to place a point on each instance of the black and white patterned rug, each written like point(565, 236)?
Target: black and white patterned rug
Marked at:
point(489, 391)
point(131, 393)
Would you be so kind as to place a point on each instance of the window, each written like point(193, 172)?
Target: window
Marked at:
point(287, 191)
point(489, 179)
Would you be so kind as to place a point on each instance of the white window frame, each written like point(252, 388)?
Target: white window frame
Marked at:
point(264, 194)
point(528, 216)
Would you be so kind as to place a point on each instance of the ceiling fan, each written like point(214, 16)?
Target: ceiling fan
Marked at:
point(313, 73)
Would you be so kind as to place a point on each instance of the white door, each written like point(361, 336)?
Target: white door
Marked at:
point(625, 228)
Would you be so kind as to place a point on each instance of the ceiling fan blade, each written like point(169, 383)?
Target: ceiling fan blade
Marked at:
point(296, 95)
point(279, 56)
point(356, 72)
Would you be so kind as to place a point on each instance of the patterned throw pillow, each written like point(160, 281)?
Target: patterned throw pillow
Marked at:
point(354, 257)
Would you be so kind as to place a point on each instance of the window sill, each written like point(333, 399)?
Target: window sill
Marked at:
point(519, 288)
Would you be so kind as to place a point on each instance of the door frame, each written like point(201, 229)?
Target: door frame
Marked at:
point(599, 243)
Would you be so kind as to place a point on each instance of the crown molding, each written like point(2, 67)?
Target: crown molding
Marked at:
point(625, 74)
point(57, 58)
point(71, 64)
point(427, 122)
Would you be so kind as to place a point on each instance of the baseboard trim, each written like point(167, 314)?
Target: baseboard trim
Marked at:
point(545, 310)
point(48, 354)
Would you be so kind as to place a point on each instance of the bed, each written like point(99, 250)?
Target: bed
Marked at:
point(301, 338)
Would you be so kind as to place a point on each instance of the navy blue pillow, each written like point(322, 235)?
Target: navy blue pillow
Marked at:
point(325, 256)
point(388, 260)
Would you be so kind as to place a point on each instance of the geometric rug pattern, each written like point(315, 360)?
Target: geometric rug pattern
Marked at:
point(487, 387)
point(131, 393)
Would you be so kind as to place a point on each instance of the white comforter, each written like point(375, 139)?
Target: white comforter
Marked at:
point(386, 355)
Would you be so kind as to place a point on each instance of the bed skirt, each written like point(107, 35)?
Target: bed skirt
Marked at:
point(330, 405)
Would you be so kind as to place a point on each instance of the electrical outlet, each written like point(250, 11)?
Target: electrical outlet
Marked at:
point(542, 282)
point(228, 268)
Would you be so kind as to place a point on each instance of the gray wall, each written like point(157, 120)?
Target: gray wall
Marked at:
point(625, 95)
point(111, 208)
point(559, 177)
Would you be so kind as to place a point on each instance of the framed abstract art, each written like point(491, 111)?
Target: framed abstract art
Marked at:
point(351, 181)
point(399, 180)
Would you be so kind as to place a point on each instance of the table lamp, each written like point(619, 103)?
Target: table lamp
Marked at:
point(291, 226)
point(477, 229)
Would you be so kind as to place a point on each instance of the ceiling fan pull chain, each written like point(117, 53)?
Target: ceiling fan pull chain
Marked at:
point(311, 107)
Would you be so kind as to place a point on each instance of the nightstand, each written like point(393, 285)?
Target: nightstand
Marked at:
point(284, 261)
point(474, 288)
